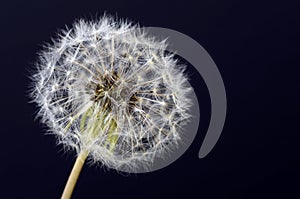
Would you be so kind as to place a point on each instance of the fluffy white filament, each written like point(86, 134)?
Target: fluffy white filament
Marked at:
point(108, 89)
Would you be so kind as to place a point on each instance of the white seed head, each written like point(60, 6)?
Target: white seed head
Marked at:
point(106, 88)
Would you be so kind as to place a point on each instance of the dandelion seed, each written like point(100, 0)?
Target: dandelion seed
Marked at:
point(111, 93)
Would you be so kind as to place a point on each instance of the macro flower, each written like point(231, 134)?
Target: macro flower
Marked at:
point(107, 88)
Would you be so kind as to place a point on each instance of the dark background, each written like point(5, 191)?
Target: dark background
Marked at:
point(255, 45)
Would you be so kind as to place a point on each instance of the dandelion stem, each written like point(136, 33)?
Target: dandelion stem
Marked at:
point(74, 175)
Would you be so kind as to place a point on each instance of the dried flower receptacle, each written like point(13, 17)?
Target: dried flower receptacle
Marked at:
point(110, 90)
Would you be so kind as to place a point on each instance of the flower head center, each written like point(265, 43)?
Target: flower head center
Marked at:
point(105, 85)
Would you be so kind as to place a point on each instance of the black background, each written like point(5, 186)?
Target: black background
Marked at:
point(255, 46)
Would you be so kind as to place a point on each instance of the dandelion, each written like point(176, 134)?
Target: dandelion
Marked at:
point(112, 93)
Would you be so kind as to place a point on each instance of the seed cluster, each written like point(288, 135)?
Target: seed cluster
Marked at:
point(111, 90)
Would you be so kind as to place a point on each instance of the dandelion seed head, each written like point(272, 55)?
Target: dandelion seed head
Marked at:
point(106, 88)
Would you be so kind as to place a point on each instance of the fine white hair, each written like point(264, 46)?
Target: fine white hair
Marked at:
point(108, 88)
